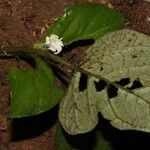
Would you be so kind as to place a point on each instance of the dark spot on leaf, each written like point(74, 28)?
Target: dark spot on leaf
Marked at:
point(83, 82)
point(100, 85)
point(129, 40)
point(123, 82)
point(112, 91)
point(136, 84)
point(140, 43)
point(134, 56)
point(101, 69)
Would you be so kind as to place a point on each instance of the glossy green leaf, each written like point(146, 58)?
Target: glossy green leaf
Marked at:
point(85, 21)
point(118, 85)
point(33, 91)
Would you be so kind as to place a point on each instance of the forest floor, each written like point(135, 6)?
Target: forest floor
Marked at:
point(22, 22)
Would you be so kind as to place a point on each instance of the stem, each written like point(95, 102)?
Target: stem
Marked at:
point(48, 56)
point(6, 52)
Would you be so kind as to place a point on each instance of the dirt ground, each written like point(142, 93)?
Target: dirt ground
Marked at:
point(22, 22)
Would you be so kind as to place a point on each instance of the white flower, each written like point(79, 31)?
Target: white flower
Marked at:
point(54, 44)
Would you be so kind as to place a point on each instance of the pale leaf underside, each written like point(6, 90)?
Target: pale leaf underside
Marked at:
point(121, 92)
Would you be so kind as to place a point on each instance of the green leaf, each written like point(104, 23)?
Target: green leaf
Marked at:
point(85, 21)
point(118, 85)
point(33, 91)
point(61, 141)
point(101, 142)
point(92, 141)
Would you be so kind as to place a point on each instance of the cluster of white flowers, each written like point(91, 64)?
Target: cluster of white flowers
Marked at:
point(54, 44)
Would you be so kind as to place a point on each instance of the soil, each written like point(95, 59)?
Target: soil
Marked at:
point(22, 22)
